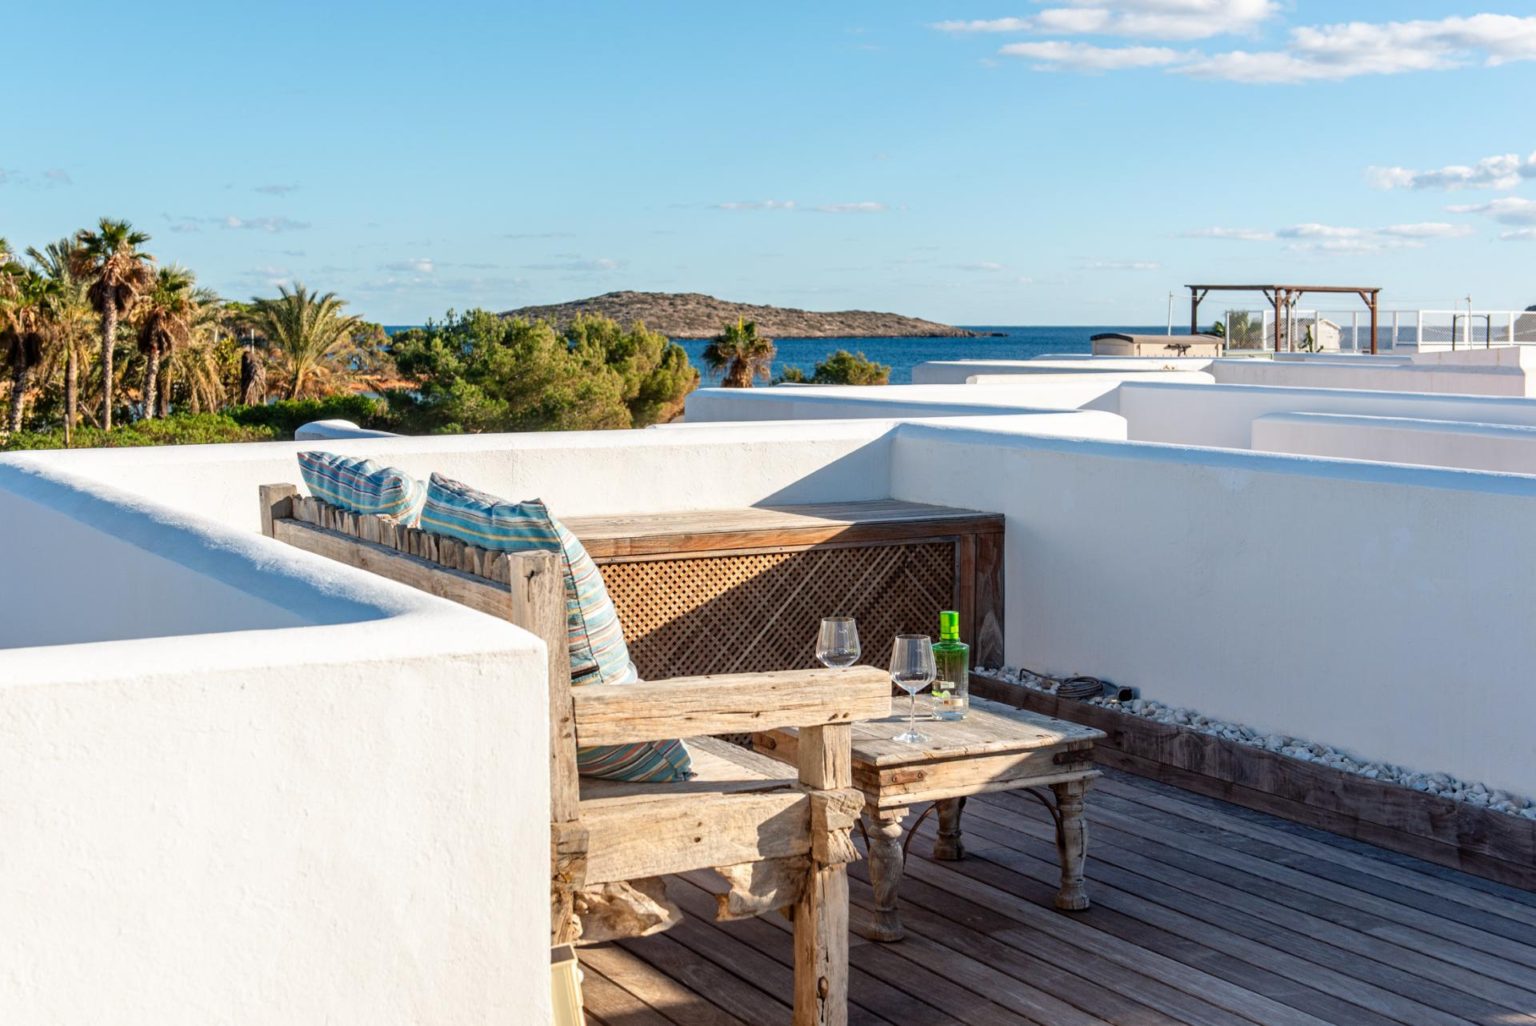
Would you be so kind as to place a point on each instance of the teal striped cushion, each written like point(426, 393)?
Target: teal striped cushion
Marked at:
point(593, 632)
point(362, 486)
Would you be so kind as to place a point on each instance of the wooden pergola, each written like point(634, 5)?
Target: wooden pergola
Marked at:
point(1283, 298)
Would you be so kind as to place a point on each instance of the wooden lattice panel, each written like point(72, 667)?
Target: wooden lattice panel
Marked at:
point(743, 612)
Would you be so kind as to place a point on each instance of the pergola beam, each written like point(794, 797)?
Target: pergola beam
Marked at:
point(1282, 297)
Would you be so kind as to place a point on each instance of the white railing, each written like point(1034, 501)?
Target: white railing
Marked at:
point(1349, 330)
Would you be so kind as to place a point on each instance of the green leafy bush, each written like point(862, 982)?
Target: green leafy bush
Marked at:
point(841, 368)
point(180, 429)
point(478, 372)
point(288, 415)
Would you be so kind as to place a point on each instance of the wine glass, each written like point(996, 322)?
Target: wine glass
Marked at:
point(912, 670)
point(837, 644)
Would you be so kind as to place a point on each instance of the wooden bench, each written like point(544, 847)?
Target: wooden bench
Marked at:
point(732, 591)
point(779, 842)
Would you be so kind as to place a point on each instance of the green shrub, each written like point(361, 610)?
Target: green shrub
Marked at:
point(841, 368)
point(180, 429)
point(288, 415)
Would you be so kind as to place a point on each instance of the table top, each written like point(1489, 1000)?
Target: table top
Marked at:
point(989, 728)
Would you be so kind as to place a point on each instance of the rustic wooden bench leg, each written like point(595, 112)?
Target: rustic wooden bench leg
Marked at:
point(948, 847)
point(1071, 843)
point(886, 863)
point(821, 949)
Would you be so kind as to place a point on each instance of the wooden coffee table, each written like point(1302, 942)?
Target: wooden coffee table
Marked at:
point(995, 748)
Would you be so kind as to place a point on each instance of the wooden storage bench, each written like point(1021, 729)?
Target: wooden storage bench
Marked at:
point(742, 590)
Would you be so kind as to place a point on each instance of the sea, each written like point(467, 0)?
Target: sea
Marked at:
point(994, 342)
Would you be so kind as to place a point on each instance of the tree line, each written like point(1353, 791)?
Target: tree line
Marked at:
point(102, 341)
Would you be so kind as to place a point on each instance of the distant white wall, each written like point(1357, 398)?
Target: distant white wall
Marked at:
point(1223, 415)
point(262, 823)
point(576, 472)
point(1509, 448)
point(1448, 378)
point(1015, 394)
point(959, 372)
point(1341, 602)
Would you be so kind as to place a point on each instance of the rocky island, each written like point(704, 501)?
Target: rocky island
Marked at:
point(695, 315)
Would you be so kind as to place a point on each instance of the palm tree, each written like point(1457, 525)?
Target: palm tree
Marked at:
point(70, 317)
point(196, 367)
point(308, 332)
point(119, 273)
point(22, 335)
point(741, 353)
point(168, 312)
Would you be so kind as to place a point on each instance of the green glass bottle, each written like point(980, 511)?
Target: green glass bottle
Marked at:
point(952, 660)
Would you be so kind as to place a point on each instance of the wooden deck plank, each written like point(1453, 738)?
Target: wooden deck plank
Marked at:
point(1205, 915)
point(1322, 967)
point(1472, 964)
point(1419, 876)
point(908, 996)
point(608, 1004)
point(1401, 911)
point(671, 996)
point(1408, 969)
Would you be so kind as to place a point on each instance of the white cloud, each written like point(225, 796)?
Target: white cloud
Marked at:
point(1137, 19)
point(1350, 49)
point(1426, 230)
point(422, 265)
point(1501, 172)
point(1055, 55)
point(579, 264)
point(865, 207)
point(276, 190)
point(1122, 265)
point(1319, 231)
point(981, 265)
point(1519, 235)
point(1244, 234)
point(1505, 210)
point(757, 205)
point(263, 224)
point(1310, 53)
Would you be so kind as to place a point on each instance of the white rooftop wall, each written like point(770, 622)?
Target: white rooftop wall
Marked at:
point(906, 402)
point(1506, 448)
point(1223, 415)
point(1339, 602)
point(959, 372)
point(259, 822)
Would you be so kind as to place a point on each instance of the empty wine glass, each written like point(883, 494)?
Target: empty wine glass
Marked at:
point(912, 670)
point(837, 645)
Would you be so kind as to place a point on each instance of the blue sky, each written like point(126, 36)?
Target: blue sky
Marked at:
point(975, 161)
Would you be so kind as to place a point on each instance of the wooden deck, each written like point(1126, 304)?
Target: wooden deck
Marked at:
point(1204, 913)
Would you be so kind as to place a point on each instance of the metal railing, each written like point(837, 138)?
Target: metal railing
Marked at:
point(1349, 331)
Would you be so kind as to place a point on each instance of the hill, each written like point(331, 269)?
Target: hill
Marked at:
point(694, 315)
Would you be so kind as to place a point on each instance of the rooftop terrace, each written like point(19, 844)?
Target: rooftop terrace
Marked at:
point(1204, 914)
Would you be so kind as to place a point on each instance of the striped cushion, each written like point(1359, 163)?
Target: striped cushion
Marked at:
point(362, 486)
point(593, 633)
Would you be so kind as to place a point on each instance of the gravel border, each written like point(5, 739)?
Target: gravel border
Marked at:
point(1440, 784)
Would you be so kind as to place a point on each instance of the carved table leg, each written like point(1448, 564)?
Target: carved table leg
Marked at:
point(948, 846)
point(886, 862)
point(1071, 843)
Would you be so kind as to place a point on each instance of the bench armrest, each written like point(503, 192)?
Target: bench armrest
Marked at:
point(736, 703)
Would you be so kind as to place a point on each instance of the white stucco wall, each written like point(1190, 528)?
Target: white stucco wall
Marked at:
point(1223, 415)
point(328, 805)
point(1441, 378)
point(1508, 448)
point(958, 372)
point(1382, 609)
point(1007, 393)
point(576, 472)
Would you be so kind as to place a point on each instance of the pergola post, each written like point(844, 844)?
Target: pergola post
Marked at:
point(1375, 296)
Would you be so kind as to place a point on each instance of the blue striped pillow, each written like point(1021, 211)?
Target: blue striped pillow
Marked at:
point(362, 486)
point(593, 632)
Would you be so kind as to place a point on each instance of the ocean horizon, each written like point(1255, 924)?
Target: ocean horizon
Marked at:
point(997, 342)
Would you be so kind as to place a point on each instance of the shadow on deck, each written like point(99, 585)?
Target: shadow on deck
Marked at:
point(1204, 913)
